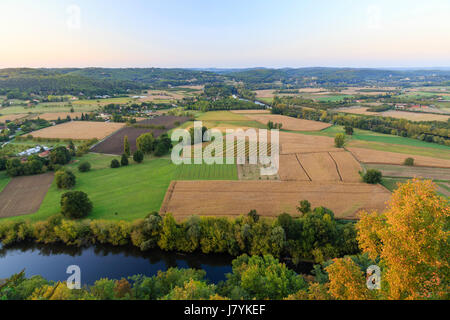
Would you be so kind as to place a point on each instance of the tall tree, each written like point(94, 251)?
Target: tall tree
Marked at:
point(126, 146)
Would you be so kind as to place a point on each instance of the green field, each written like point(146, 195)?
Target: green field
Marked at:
point(221, 116)
point(206, 172)
point(125, 193)
point(47, 107)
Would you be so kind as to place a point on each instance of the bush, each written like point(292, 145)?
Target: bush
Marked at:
point(348, 130)
point(409, 162)
point(138, 156)
point(65, 179)
point(84, 166)
point(339, 140)
point(124, 160)
point(305, 206)
point(75, 204)
point(115, 163)
point(372, 176)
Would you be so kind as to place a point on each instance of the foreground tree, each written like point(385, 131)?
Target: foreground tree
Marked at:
point(75, 204)
point(411, 239)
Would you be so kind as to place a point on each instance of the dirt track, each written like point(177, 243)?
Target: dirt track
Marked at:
point(269, 198)
point(24, 195)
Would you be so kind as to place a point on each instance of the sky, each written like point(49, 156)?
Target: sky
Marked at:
point(224, 33)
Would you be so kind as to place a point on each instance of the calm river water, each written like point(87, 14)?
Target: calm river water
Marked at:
point(51, 262)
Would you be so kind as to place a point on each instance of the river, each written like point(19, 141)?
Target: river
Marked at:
point(51, 262)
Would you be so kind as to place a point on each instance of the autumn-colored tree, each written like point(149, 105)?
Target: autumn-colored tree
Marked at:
point(347, 281)
point(411, 240)
point(122, 288)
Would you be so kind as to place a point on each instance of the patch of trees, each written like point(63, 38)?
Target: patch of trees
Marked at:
point(36, 165)
point(315, 235)
point(222, 104)
point(147, 144)
point(45, 82)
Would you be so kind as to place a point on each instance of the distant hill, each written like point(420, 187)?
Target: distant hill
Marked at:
point(102, 81)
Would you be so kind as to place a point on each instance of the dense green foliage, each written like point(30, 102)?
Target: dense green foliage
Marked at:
point(65, 179)
point(316, 235)
point(84, 166)
point(372, 176)
point(74, 205)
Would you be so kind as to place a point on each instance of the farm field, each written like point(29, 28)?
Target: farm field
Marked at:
point(319, 166)
point(413, 116)
point(131, 192)
point(50, 107)
point(220, 116)
point(78, 130)
point(114, 143)
point(11, 117)
point(269, 198)
point(291, 169)
point(263, 111)
point(442, 188)
point(385, 157)
point(206, 172)
point(4, 180)
point(55, 115)
point(24, 195)
point(290, 123)
point(400, 171)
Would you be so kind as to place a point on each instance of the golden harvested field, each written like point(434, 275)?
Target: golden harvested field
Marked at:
point(290, 169)
point(301, 143)
point(375, 156)
point(79, 130)
point(269, 198)
point(415, 116)
point(319, 166)
point(358, 110)
point(55, 115)
point(11, 117)
point(251, 111)
point(290, 123)
point(348, 166)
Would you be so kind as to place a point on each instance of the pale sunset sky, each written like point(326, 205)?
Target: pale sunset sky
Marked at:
point(224, 34)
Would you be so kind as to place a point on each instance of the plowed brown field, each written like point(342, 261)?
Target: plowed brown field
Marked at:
point(269, 198)
point(24, 195)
